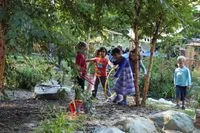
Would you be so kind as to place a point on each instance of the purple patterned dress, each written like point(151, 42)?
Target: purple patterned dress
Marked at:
point(124, 84)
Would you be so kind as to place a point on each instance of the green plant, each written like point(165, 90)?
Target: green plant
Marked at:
point(160, 106)
point(25, 73)
point(85, 96)
point(161, 82)
point(194, 92)
point(61, 124)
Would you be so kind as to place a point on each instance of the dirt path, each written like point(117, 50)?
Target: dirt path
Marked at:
point(22, 113)
point(23, 116)
point(107, 114)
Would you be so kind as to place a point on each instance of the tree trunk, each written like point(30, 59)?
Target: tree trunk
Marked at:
point(2, 51)
point(136, 68)
point(152, 44)
point(136, 65)
point(147, 77)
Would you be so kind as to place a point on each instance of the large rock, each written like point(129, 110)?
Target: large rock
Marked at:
point(136, 124)
point(52, 90)
point(173, 120)
point(108, 130)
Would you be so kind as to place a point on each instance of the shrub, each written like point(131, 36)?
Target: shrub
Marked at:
point(26, 73)
point(194, 92)
point(161, 81)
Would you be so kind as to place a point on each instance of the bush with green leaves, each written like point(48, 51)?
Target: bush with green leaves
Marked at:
point(26, 72)
point(161, 81)
point(194, 92)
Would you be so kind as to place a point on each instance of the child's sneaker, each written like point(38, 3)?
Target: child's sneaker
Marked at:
point(123, 103)
point(177, 106)
point(118, 99)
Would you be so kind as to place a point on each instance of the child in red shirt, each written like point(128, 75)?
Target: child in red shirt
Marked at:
point(81, 63)
point(101, 64)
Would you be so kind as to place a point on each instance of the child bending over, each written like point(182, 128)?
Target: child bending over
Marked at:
point(125, 83)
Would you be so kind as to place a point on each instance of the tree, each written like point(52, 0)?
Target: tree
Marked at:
point(2, 48)
point(24, 23)
point(168, 16)
point(150, 18)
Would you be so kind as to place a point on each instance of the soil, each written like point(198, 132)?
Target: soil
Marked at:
point(25, 114)
point(107, 114)
point(22, 113)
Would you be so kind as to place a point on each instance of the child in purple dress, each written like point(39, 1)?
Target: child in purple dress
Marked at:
point(125, 83)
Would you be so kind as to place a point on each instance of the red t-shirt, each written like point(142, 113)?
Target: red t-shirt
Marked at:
point(81, 62)
point(100, 66)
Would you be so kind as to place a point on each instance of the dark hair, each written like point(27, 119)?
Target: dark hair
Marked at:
point(80, 45)
point(116, 51)
point(103, 49)
point(96, 54)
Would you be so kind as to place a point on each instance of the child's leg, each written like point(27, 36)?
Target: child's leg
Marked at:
point(124, 98)
point(81, 82)
point(183, 94)
point(118, 98)
point(103, 83)
point(123, 102)
point(94, 92)
point(177, 96)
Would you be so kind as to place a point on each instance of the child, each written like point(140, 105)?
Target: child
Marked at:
point(92, 73)
point(101, 64)
point(132, 60)
point(125, 82)
point(182, 81)
point(81, 63)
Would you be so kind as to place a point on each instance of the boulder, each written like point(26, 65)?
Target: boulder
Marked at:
point(171, 131)
point(136, 124)
point(51, 90)
point(173, 120)
point(108, 130)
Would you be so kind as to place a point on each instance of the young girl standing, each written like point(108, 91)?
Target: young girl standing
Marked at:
point(101, 63)
point(125, 83)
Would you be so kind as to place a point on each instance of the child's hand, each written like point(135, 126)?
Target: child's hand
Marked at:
point(188, 87)
point(115, 66)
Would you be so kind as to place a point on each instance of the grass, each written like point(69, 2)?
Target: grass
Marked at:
point(159, 106)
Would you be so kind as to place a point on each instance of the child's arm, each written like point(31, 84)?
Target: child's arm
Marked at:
point(109, 62)
point(91, 60)
point(141, 65)
point(189, 78)
point(174, 78)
